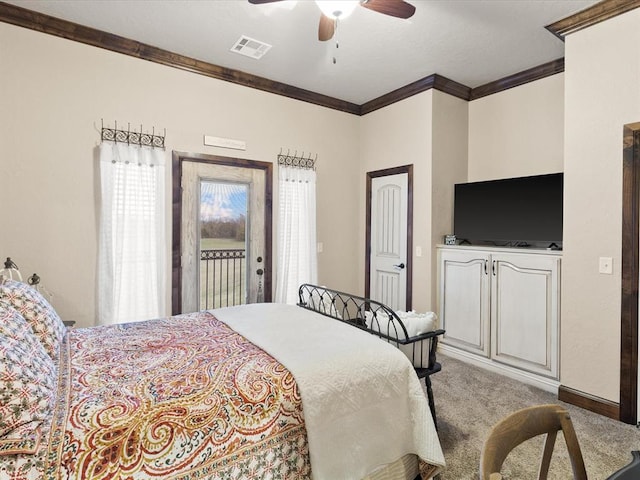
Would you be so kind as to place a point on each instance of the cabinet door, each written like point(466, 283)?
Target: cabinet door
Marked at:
point(525, 312)
point(464, 299)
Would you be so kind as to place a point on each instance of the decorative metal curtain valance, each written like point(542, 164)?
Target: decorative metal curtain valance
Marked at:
point(297, 161)
point(132, 137)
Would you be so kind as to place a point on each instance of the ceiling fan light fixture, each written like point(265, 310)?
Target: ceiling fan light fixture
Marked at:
point(337, 8)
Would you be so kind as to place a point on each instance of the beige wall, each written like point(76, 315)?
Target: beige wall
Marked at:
point(602, 93)
point(56, 92)
point(400, 134)
point(572, 122)
point(429, 131)
point(449, 166)
point(518, 132)
point(73, 86)
point(52, 100)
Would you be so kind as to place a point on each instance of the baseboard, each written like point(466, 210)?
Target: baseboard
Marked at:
point(543, 383)
point(580, 399)
point(592, 403)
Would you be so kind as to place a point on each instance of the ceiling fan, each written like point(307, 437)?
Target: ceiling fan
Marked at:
point(340, 9)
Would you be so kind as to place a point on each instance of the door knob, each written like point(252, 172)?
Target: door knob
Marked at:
point(401, 266)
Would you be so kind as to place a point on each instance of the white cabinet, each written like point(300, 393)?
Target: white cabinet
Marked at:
point(502, 304)
point(464, 306)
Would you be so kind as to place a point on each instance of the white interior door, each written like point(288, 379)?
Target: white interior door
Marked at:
point(193, 176)
point(388, 259)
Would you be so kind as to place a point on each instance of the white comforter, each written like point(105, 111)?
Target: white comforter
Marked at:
point(363, 404)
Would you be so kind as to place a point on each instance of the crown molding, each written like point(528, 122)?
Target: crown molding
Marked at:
point(517, 79)
point(443, 84)
point(40, 22)
point(597, 13)
point(435, 81)
point(72, 31)
point(23, 17)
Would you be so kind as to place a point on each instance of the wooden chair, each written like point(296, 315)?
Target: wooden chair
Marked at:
point(524, 425)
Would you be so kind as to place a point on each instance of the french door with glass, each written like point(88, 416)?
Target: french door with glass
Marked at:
point(222, 232)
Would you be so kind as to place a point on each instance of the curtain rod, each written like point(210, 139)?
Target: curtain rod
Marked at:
point(132, 137)
point(297, 161)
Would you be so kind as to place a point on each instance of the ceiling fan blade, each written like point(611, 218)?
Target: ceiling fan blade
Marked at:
point(395, 8)
point(258, 2)
point(326, 28)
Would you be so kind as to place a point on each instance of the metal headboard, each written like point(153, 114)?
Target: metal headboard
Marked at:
point(377, 319)
point(371, 316)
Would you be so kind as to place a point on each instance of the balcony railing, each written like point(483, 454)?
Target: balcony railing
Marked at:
point(222, 278)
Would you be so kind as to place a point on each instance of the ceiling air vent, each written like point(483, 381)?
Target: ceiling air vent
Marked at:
point(250, 47)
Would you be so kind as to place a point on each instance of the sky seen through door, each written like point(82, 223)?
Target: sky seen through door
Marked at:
point(222, 201)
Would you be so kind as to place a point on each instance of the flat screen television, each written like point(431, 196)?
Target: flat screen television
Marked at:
point(513, 211)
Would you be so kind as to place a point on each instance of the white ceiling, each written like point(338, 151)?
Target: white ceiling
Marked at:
point(472, 42)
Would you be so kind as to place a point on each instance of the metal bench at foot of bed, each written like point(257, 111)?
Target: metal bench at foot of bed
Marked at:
point(378, 319)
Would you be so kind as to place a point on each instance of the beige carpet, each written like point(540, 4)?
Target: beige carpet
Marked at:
point(470, 400)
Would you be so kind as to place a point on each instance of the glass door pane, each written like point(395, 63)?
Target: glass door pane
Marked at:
point(223, 244)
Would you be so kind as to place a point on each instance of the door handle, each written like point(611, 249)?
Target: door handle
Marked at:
point(401, 266)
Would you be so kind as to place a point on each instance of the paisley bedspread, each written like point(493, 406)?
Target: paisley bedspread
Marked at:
point(184, 397)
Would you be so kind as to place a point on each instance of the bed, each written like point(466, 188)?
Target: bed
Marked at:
point(254, 391)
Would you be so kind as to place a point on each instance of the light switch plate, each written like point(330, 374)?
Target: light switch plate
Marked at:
point(606, 265)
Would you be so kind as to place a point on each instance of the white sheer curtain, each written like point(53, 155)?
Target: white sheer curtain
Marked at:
point(297, 257)
point(131, 258)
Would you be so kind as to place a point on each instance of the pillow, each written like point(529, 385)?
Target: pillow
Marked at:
point(38, 313)
point(14, 326)
point(415, 323)
point(27, 385)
